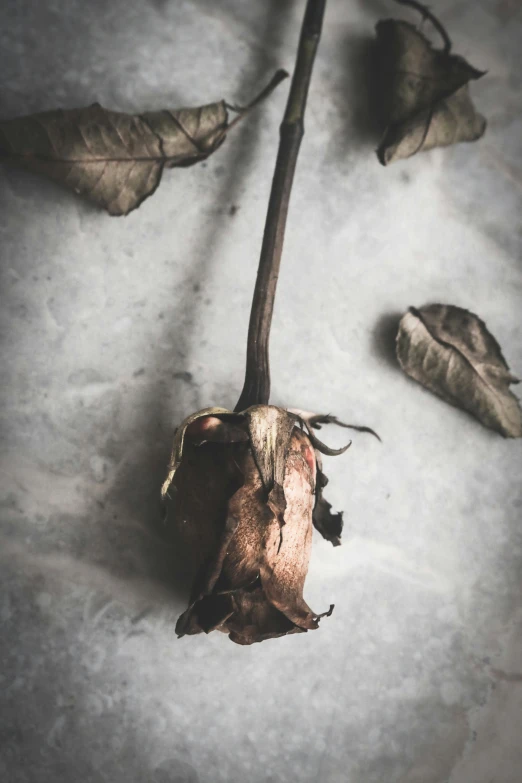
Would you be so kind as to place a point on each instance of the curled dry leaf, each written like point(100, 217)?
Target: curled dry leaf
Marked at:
point(425, 93)
point(450, 351)
point(114, 159)
point(244, 490)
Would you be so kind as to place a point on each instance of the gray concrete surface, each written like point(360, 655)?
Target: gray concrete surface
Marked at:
point(115, 329)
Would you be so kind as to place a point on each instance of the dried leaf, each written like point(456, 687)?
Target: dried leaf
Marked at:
point(450, 351)
point(426, 101)
point(116, 160)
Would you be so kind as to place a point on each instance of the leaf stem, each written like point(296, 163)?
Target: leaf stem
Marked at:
point(242, 111)
point(256, 389)
point(425, 12)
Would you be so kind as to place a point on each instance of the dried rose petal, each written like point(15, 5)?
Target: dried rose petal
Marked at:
point(243, 488)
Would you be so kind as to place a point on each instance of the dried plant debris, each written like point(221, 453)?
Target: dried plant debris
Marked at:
point(116, 160)
point(450, 351)
point(244, 490)
point(425, 91)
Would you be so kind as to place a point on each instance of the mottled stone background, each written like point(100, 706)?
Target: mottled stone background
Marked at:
point(115, 329)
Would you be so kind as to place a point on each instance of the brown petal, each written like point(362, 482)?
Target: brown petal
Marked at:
point(249, 507)
point(197, 503)
point(233, 563)
point(254, 619)
point(208, 614)
point(281, 555)
point(287, 552)
point(179, 438)
point(211, 429)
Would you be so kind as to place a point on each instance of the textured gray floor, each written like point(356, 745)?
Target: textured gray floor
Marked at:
point(115, 329)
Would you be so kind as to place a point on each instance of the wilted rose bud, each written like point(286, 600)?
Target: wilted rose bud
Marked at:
point(245, 489)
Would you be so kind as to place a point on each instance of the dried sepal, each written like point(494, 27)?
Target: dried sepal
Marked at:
point(270, 429)
point(328, 524)
point(425, 93)
point(450, 351)
point(307, 420)
point(116, 160)
point(316, 420)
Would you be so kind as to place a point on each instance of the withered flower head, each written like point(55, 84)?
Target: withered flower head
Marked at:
point(245, 489)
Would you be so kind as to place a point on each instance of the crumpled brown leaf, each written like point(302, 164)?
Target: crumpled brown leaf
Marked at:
point(244, 490)
point(114, 159)
point(450, 351)
point(426, 101)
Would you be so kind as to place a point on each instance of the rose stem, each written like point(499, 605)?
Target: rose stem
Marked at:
point(256, 389)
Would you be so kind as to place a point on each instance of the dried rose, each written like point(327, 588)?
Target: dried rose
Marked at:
point(245, 489)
